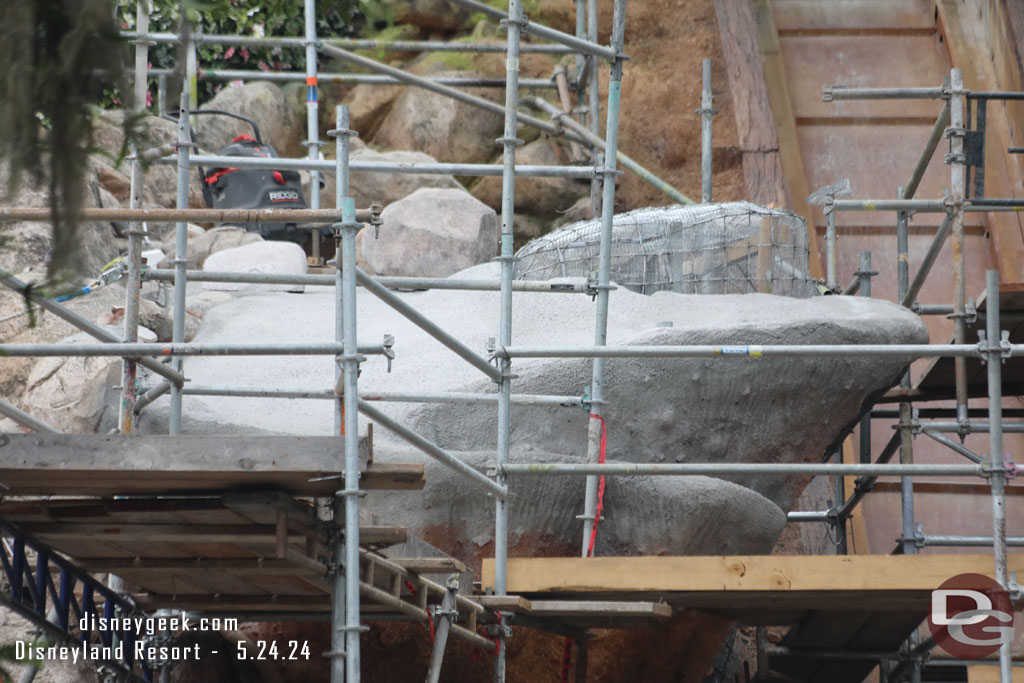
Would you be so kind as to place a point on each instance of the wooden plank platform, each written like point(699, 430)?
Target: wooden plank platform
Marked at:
point(61, 464)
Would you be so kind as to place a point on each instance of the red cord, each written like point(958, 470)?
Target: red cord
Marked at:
point(600, 486)
point(566, 658)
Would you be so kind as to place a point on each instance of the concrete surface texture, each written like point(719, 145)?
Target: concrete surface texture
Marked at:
point(726, 409)
point(269, 257)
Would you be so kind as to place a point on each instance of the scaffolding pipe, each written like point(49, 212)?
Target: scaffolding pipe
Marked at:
point(136, 231)
point(434, 451)
point(208, 160)
point(312, 143)
point(910, 205)
point(929, 151)
point(908, 351)
point(596, 422)
point(453, 397)
point(584, 46)
point(26, 420)
point(831, 254)
point(803, 516)
point(627, 162)
point(426, 84)
point(151, 395)
point(514, 25)
point(181, 244)
point(350, 78)
point(594, 107)
point(863, 485)
point(427, 325)
point(84, 324)
point(706, 113)
point(350, 368)
point(352, 44)
point(121, 350)
point(842, 92)
point(414, 283)
point(964, 541)
point(996, 455)
point(958, 186)
point(443, 620)
point(981, 427)
point(10, 214)
point(928, 261)
point(733, 469)
point(952, 445)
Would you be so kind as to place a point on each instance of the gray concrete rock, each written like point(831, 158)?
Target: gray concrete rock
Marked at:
point(279, 258)
point(281, 122)
point(368, 105)
point(447, 130)
point(203, 243)
point(161, 181)
point(433, 233)
point(711, 410)
point(383, 188)
point(542, 197)
point(28, 244)
point(69, 393)
point(161, 321)
point(641, 516)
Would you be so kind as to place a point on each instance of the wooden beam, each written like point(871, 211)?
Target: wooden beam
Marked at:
point(736, 575)
point(294, 565)
point(430, 565)
point(55, 532)
point(598, 608)
point(516, 604)
point(62, 464)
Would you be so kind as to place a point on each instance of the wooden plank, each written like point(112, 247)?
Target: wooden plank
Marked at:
point(599, 608)
point(852, 15)
point(755, 123)
point(143, 566)
point(516, 604)
point(430, 565)
point(732, 575)
point(61, 464)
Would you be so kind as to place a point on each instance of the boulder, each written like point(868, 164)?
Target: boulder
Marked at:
point(368, 105)
point(68, 393)
point(161, 181)
point(203, 243)
point(447, 130)
point(279, 258)
point(281, 122)
point(542, 197)
point(436, 15)
point(384, 188)
point(433, 233)
point(29, 244)
point(160, 320)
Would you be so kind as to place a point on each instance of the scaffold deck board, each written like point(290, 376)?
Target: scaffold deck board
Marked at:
point(756, 589)
point(62, 464)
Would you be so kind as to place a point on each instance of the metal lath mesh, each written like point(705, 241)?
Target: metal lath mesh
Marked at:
point(733, 248)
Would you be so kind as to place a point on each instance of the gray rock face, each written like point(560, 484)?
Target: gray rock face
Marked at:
point(203, 243)
point(69, 393)
point(722, 409)
point(278, 258)
point(447, 130)
point(281, 123)
point(543, 197)
point(641, 516)
point(433, 232)
point(385, 188)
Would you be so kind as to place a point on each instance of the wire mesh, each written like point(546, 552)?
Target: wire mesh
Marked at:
point(732, 248)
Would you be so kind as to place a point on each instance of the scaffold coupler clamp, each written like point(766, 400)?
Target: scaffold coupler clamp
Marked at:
point(1011, 468)
point(1004, 348)
point(523, 24)
point(501, 630)
point(1014, 589)
point(375, 220)
point(388, 347)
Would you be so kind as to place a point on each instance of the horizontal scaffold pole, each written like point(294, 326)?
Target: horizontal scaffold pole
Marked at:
point(351, 78)
point(733, 469)
point(11, 214)
point(777, 351)
point(165, 350)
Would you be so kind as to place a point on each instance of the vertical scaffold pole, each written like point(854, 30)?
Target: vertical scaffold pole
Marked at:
point(509, 141)
point(594, 106)
point(347, 255)
point(604, 269)
point(136, 230)
point(181, 237)
point(958, 186)
point(996, 457)
point(312, 143)
point(706, 112)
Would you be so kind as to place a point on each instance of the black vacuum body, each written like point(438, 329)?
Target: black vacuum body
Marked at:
point(256, 188)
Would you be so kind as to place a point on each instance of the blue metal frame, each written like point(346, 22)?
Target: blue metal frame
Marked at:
point(30, 589)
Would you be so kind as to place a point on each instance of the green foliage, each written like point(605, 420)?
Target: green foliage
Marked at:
point(335, 18)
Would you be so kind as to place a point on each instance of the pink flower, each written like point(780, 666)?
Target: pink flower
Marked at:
point(230, 53)
point(245, 54)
